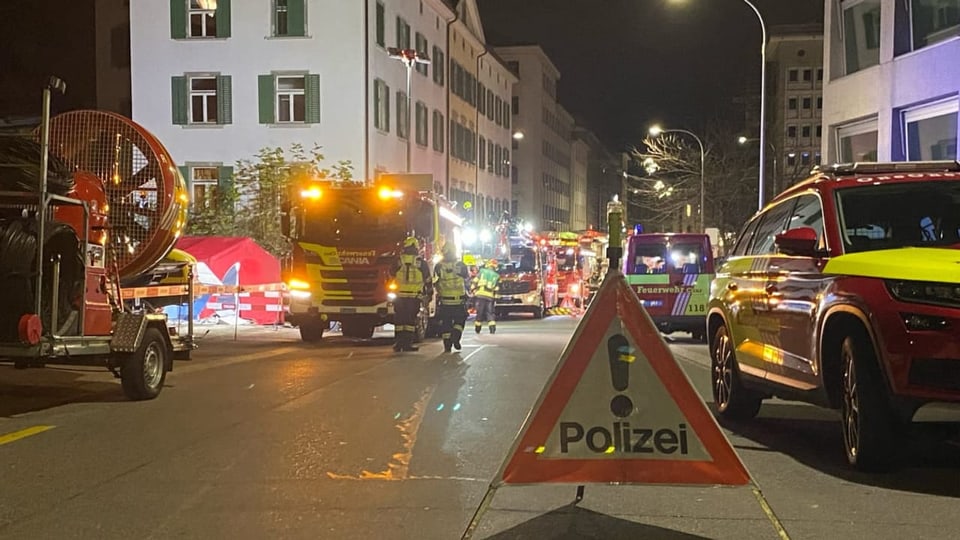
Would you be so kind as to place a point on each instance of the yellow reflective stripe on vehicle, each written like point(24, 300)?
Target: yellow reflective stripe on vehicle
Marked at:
point(648, 279)
point(912, 263)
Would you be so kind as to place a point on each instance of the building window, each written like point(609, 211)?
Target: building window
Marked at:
point(381, 25)
point(805, 158)
point(422, 133)
point(857, 142)
point(489, 156)
point(807, 75)
point(932, 132)
point(481, 103)
point(506, 114)
point(792, 159)
point(403, 34)
point(807, 103)
point(514, 66)
point(498, 111)
point(792, 132)
point(506, 162)
point(819, 131)
point(934, 21)
point(819, 74)
point(381, 106)
point(482, 154)
point(202, 99)
point(515, 105)
point(291, 99)
point(792, 75)
point(203, 186)
point(489, 104)
point(861, 33)
point(792, 104)
point(403, 115)
point(289, 18)
point(438, 131)
point(514, 175)
point(819, 103)
point(422, 49)
point(203, 19)
point(439, 65)
point(805, 132)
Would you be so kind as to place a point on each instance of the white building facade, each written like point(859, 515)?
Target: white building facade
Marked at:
point(218, 80)
point(893, 80)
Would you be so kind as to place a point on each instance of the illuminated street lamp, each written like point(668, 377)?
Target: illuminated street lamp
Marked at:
point(655, 131)
point(763, 100)
point(410, 58)
point(773, 152)
point(518, 136)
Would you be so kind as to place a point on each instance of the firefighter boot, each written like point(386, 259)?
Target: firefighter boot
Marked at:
point(398, 341)
point(493, 327)
point(447, 343)
point(408, 342)
point(457, 334)
point(478, 327)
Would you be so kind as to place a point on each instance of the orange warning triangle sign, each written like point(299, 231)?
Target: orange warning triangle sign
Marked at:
point(619, 409)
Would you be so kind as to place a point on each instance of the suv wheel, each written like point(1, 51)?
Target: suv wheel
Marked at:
point(869, 424)
point(733, 401)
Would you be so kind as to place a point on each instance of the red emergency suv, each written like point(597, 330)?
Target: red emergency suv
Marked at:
point(845, 292)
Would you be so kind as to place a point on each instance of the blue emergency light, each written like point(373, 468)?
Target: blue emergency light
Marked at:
point(638, 229)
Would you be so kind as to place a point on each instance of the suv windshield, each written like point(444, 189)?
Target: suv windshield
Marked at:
point(899, 215)
point(356, 218)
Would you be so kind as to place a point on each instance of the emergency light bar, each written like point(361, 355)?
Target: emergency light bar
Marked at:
point(891, 167)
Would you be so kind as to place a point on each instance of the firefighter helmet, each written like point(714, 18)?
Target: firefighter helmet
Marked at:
point(492, 263)
point(411, 242)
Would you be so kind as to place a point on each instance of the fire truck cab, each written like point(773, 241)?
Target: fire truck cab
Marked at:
point(522, 285)
point(346, 238)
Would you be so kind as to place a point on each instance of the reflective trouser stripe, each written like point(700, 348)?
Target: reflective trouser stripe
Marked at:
point(458, 327)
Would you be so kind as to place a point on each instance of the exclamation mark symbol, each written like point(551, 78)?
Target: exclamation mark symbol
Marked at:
point(621, 356)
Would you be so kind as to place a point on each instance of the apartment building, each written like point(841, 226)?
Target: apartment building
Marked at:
point(481, 88)
point(218, 80)
point(541, 184)
point(795, 61)
point(892, 80)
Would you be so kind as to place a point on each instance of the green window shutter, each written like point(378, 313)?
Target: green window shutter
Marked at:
point(179, 99)
point(185, 173)
point(266, 98)
point(381, 25)
point(224, 99)
point(296, 18)
point(223, 18)
point(178, 19)
point(225, 180)
point(312, 98)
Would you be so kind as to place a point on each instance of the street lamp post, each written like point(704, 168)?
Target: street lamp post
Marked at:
point(656, 131)
point(409, 57)
point(763, 102)
point(773, 152)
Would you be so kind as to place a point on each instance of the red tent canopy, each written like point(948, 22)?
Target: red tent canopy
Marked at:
point(257, 265)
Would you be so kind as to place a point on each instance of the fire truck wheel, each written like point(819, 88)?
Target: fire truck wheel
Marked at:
point(311, 331)
point(142, 373)
point(541, 309)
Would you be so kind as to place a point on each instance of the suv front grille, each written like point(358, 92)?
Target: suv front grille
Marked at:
point(514, 287)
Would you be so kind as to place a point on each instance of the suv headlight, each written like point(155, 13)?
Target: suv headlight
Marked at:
point(923, 292)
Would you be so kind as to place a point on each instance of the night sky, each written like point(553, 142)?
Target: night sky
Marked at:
point(625, 64)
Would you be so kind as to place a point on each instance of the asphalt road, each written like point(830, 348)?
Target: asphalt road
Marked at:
point(265, 437)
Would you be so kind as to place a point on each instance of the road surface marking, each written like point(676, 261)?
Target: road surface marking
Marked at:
point(768, 511)
point(399, 465)
point(480, 348)
point(216, 363)
point(23, 433)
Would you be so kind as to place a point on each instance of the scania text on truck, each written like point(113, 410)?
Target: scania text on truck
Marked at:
point(346, 237)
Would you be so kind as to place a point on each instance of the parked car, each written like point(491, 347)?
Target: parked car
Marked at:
point(844, 292)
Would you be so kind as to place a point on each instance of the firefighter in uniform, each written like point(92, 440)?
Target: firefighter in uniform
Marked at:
point(485, 287)
point(451, 278)
point(412, 276)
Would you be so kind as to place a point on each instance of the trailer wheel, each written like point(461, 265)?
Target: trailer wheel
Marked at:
point(143, 373)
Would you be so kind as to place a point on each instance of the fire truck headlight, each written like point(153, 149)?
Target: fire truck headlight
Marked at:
point(485, 236)
point(392, 286)
point(300, 295)
point(298, 285)
point(575, 288)
point(313, 193)
point(391, 296)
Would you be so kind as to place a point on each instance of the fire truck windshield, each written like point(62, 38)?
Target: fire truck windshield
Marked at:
point(522, 259)
point(356, 218)
point(566, 259)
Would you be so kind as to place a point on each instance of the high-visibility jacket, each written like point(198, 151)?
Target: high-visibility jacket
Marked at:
point(488, 283)
point(451, 282)
point(411, 275)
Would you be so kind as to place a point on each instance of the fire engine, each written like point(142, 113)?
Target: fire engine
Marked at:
point(346, 237)
point(522, 284)
point(93, 199)
point(565, 267)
